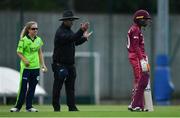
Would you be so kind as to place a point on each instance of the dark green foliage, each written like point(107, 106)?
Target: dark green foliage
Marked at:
point(34, 5)
point(118, 6)
point(88, 6)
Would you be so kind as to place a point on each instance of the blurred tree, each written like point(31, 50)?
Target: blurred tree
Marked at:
point(94, 6)
point(118, 6)
point(97, 6)
point(34, 5)
point(174, 6)
point(9, 4)
point(129, 6)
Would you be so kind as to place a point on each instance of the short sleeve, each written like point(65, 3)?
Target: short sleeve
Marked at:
point(20, 46)
point(41, 42)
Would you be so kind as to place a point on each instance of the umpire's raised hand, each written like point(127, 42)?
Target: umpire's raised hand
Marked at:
point(85, 26)
point(87, 34)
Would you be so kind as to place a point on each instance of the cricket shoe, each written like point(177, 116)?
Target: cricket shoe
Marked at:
point(137, 109)
point(32, 110)
point(130, 108)
point(73, 108)
point(146, 110)
point(14, 109)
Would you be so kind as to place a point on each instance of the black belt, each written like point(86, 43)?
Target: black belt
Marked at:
point(60, 64)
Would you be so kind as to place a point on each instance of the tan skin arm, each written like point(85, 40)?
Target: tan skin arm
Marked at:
point(41, 58)
point(26, 62)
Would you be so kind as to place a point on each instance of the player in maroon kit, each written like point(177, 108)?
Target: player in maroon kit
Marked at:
point(138, 59)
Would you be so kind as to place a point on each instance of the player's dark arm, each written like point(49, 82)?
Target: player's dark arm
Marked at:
point(65, 38)
point(80, 41)
point(84, 38)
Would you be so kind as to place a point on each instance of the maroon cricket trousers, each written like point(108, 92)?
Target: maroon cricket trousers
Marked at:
point(140, 83)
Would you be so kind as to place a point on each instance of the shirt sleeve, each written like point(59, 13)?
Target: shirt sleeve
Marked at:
point(135, 42)
point(66, 38)
point(20, 46)
point(80, 41)
point(42, 43)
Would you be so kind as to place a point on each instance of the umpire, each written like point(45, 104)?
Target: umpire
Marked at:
point(64, 59)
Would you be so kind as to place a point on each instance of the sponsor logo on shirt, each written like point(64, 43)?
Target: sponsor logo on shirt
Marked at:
point(135, 37)
point(25, 78)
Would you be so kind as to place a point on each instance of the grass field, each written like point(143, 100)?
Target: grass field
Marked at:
point(93, 111)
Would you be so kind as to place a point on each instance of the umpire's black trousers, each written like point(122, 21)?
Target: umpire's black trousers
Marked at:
point(63, 74)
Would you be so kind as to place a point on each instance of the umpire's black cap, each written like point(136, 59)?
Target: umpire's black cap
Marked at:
point(68, 14)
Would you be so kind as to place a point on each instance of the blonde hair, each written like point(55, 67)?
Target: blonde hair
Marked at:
point(26, 28)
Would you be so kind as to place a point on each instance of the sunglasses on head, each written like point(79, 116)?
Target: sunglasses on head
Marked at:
point(34, 28)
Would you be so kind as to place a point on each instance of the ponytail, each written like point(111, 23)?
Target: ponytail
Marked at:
point(23, 32)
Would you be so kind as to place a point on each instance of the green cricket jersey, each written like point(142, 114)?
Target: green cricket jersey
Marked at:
point(30, 49)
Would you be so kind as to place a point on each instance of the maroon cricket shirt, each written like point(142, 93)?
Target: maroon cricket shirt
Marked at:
point(135, 43)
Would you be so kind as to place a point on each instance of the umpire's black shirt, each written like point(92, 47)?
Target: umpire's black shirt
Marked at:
point(64, 44)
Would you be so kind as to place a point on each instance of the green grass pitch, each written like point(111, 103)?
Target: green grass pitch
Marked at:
point(92, 111)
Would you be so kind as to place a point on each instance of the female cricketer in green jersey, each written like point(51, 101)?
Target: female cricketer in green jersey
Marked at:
point(30, 52)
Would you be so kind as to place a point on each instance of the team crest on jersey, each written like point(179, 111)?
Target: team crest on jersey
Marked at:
point(38, 43)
